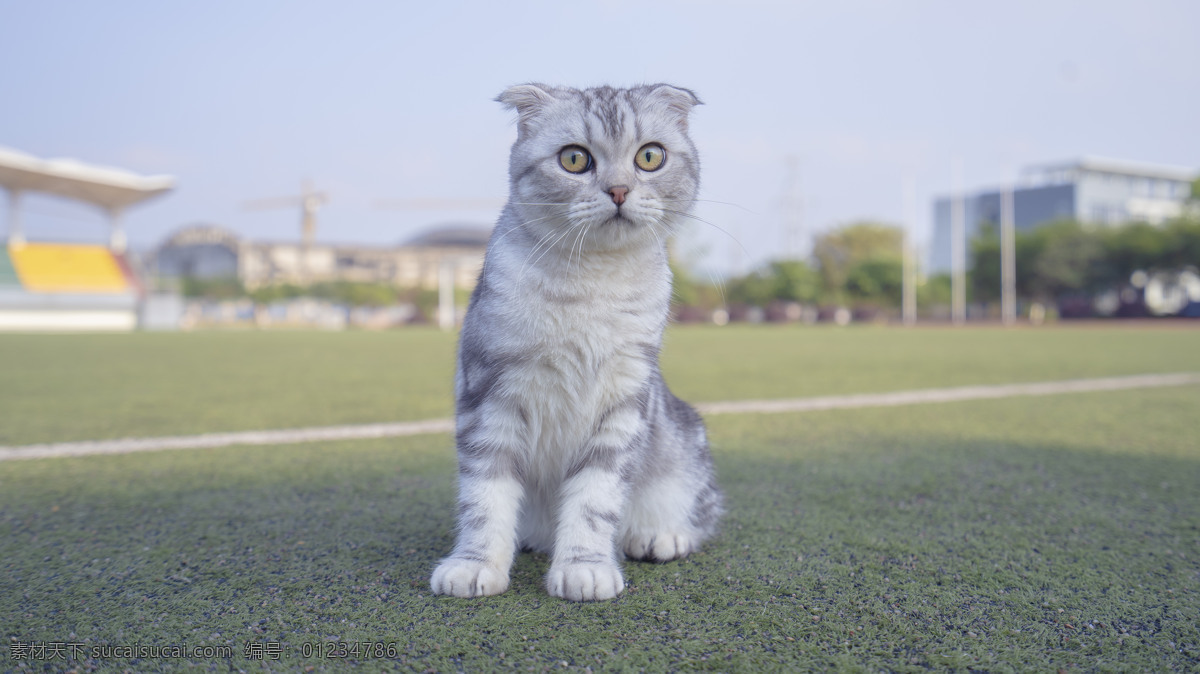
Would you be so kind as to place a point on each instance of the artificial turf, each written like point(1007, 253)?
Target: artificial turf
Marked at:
point(1004, 535)
point(56, 388)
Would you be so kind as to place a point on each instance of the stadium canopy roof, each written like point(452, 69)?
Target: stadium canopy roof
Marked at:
point(110, 189)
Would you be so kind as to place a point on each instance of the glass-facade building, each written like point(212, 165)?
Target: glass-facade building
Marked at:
point(1098, 192)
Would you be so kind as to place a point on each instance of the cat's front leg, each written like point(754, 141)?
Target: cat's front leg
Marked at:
point(585, 564)
point(489, 502)
point(483, 552)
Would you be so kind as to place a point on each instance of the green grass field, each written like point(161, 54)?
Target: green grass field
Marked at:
point(1021, 534)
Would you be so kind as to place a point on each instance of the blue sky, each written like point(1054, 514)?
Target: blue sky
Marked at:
point(377, 101)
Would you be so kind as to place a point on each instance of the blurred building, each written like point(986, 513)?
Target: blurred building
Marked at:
point(210, 252)
point(1098, 192)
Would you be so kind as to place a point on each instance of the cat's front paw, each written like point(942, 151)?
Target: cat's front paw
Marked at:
point(467, 578)
point(585, 582)
point(658, 547)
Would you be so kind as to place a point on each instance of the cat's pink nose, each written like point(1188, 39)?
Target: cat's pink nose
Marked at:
point(618, 194)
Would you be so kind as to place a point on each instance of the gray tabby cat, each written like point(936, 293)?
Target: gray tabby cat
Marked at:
point(569, 441)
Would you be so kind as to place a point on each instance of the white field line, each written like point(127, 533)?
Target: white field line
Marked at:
point(943, 395)
point(404, 428)
point(211, 440)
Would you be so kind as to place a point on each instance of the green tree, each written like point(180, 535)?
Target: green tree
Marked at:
point(839, 251)
point(1072, 259)
point(1057, 257)
point(787, 280)
point(212, 288)
point(426, 301)
point(1065, 256)
point(276, 293)
point(793, 281)
point(754, 289)
point(1184, 235)
point(683, 286)
point(935, 291)
point(877, 281)
point(368, 295)
point(1137, 246)
point(985, 264)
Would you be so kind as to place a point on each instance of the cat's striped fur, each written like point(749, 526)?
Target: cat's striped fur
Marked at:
point(569, 441)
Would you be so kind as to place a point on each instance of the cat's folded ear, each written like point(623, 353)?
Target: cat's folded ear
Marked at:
point(527, 100)
point(677, 99)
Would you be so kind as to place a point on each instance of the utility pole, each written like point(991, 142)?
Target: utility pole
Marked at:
point(1008, 257)
point(16, 236)
point(446, 272)
point(909, 273)
point(448, 265)
point(793, 209)
point(116, 237)
point(958, 249)
point(736, 262)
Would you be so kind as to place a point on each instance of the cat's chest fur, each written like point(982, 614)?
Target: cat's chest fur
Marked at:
point(578, 338)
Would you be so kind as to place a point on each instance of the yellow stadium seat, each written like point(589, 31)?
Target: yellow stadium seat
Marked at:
point(68, 268)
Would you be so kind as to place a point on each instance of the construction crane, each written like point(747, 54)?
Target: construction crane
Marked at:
point(309, 200)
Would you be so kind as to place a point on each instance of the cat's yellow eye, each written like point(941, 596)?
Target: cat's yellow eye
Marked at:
point(575, 159)
point(650, 157)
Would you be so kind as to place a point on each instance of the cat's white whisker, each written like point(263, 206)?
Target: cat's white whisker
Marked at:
point(578, 241)
point(538, 246)
point(554, 229)
point(708, 201)
point(548, 248)
point(522, 225)
point(717, 283)
point(691, 216)
point(654, 230)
